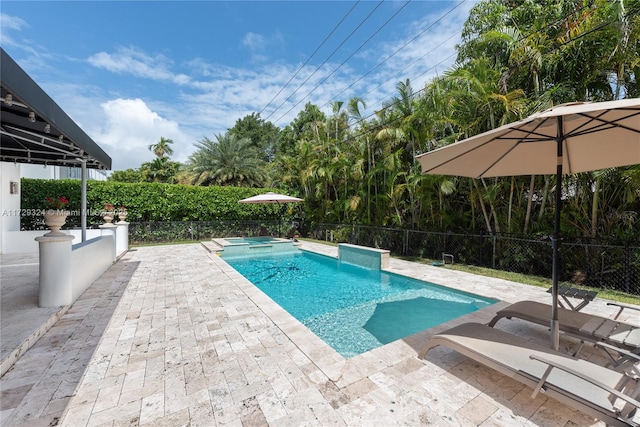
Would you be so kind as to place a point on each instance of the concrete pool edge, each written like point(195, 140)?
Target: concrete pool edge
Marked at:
point(250, 246)
point(340, 370)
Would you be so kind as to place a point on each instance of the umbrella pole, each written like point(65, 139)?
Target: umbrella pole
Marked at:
point(555, 326)
point(279, 218)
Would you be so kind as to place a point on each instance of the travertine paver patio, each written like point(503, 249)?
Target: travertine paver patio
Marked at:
point(189, 341)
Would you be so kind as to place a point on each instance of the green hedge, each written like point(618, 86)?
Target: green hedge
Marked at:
point(146, 201)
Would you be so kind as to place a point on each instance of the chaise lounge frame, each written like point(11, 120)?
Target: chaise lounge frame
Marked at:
point(584, 326)
point(602, 393)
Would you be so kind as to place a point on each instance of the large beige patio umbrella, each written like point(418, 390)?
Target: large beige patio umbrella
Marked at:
point(271, 197)
point(567, 139)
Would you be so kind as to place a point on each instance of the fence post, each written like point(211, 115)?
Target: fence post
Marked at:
point(627, 267)
point(493, 256)
point(405, 250)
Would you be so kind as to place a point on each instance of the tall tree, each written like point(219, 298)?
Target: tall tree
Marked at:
point(160, 169)
point(264, 136)
point(227, 161)
point(162, 148)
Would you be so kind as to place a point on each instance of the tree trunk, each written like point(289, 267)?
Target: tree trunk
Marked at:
point(527, 217)
point(594, 208)
point(545, 195)
point(492, 206)
point(511, 190)
point(487, 220)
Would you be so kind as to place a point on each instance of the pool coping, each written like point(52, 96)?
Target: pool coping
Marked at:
point(340, 370)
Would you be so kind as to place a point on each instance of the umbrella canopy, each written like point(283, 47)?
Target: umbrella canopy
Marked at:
point(569, 138)
point(271, 197)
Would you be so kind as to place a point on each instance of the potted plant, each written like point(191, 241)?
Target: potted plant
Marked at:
point(108, 213)
point(122, 213)
point(55, 214)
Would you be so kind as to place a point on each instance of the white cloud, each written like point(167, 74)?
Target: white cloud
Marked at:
point(8, 22)
point(136, 62)
point(130, 126)
point(208, 98)
point(426, 50)
point(254, 41)
point(13, 24)
point(262, 48)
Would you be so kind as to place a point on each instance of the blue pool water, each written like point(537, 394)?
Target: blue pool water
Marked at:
point(353, 309)
point(253, 246)
point(252, 240)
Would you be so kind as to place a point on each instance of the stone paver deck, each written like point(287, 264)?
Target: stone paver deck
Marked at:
point(172, 336)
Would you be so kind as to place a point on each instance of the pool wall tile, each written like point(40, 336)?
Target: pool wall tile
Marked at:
point(376, 259)
point(250, 246)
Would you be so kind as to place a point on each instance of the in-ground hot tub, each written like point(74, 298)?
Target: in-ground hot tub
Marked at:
point(247, 246)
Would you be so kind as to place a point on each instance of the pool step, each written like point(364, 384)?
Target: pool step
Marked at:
point(211, 247)
point(217, 246)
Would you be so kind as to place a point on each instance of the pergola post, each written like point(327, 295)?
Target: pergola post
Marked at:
point(83, 199)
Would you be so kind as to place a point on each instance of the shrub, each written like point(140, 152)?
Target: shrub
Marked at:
point(146, 201)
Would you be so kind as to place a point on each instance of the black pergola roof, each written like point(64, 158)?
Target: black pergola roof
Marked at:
point(35, 129)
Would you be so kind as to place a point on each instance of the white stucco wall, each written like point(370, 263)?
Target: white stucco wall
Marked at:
point(88, 261)
point(9, 203)
point(10, 210)
point(24, 241)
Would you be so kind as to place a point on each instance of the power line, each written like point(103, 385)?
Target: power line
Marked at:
point(559, 20)
point(312, 55)
point(381, 125)
point(348, 58)
point(420, 58)
point(325, 61)
point(599, 27)
point(629, 14)
point(398, 50)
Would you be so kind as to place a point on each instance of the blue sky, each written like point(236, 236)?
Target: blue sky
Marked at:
point(131, 72)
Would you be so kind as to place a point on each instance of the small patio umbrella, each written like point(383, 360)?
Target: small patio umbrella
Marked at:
point(271, 197)
point(566, 139)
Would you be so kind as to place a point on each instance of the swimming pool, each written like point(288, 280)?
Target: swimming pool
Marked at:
point(260, 240)
point(353, 309)
point(251, 246)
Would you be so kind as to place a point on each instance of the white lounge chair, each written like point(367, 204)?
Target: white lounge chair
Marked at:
point(584, 326)
point(602, 393)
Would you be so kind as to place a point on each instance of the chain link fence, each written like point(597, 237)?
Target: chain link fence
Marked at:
point(176, 231)
point(599, 263)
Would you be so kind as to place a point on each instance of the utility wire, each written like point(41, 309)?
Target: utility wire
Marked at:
point(397, 51)
point(325, 61)
point(382, 125)
point(559, 20)
point(348, 58)
point(631, 13)
point(418, 59)
point(312, 55)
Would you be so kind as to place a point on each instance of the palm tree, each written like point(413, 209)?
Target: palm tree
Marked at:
point(160, 169)
point(227, 161)
point(162, 147)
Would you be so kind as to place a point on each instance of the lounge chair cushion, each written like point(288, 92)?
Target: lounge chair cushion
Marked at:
point(509, 354)
point(576, 323)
